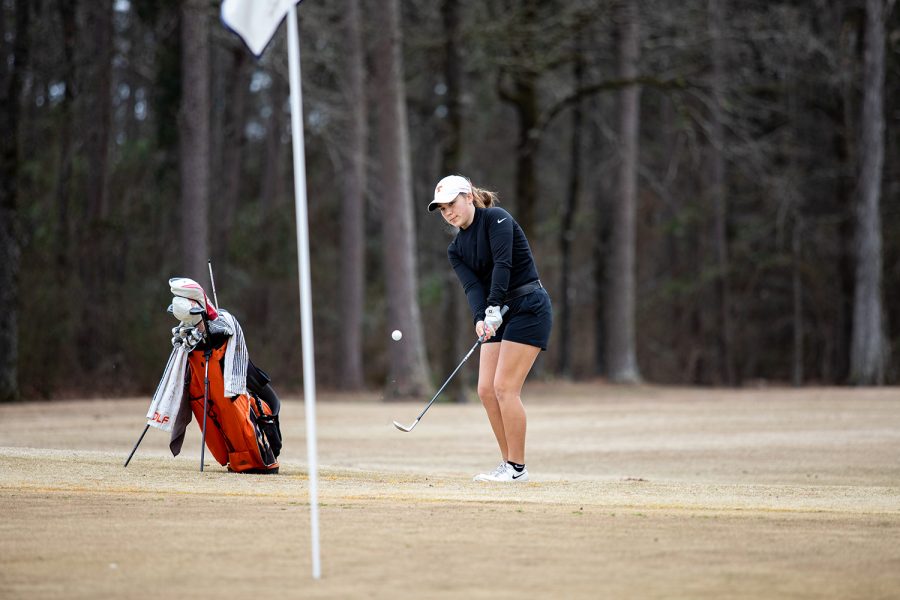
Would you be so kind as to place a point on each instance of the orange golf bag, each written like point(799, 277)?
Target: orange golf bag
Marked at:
point(241, 432)
point(210, 368)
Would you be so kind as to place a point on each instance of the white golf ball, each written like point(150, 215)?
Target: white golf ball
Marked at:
point(396, 335)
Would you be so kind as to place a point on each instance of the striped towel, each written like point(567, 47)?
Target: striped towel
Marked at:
point(236, 355)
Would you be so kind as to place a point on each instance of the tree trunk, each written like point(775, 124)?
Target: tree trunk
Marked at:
point(353, 207)
point(10, 245)
point(868, 352)
point(797, 285)
point(98, 348)
point(131, 125)
point(455, 325)
point(567, 231)
point(724, 335)
point(848, 156)
point(273, 188)
point(69, 252)
point(621, 352)
point(408, 369)
point(599, 249)
point(67, 11)
point(194, 138)
point(523, 97)
point(526, 178)
point(96, 93)
point(233, 135)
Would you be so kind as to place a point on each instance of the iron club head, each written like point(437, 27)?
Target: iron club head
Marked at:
point(406, 429)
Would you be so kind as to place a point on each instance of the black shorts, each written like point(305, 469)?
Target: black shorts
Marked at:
point(528, 320)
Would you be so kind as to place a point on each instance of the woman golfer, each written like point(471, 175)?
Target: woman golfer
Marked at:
point(495, 266)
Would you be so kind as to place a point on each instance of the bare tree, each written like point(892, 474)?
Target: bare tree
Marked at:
point(567, 231)
point(717, 191)
point(353, 206)
point(65, 213)
point(621, 354)
point(408, 369)
point(869, 350)
point(797, 287)
point(453, 308)
point(15, 57)
point(96, 97)
point(67, 11)
point(521, 92)
point(273, 188)
point(194, 137)
point(93, 100)
point(233, 142)
point(451, 157)
point(599, 248)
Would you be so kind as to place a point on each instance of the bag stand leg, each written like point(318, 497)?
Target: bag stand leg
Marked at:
point(133, 450)
point(206, 356)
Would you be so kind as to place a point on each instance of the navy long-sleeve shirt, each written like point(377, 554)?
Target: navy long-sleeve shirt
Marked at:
point(491, 256)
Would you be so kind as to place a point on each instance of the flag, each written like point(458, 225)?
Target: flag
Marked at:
point(255, 21)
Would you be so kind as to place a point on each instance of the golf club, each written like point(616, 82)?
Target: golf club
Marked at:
point(212, 283)
point(465, 358)
point(206, 356)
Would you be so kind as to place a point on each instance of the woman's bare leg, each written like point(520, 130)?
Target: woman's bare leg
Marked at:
point(487, 368)
point(513, 364)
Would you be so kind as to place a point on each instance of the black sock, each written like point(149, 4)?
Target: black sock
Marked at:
point(519, 468)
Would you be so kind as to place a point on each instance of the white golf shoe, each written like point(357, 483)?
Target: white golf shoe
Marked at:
point(492, 476)
point(503, 474)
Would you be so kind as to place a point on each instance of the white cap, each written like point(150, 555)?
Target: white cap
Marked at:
point(448, 189)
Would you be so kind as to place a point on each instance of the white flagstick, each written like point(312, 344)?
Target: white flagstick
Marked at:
point(309, 373)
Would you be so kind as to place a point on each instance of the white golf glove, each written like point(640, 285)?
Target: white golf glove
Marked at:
point(493, 319)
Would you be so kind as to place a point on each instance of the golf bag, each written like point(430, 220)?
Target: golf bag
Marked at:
point(241, 421)
point(210, 367)
point(242, 431)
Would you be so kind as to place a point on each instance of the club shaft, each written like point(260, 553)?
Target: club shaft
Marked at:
point(458, 367)
point(205, 400)
point(212, 282)
point(465, 358)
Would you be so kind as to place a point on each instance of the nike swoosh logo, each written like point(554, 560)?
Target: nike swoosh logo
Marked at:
point(519, 475)
point(501, 220)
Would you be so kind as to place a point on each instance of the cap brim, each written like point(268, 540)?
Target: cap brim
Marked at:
point(435, 203)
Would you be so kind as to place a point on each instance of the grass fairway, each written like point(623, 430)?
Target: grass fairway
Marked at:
point(642, 492)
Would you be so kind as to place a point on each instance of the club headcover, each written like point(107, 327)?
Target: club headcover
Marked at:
point(184, 287)
point(181, 310)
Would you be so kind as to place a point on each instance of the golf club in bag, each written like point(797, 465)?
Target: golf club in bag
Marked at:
point(465, 358)
point(206, 355)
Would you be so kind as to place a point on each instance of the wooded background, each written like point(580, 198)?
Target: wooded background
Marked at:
point(710, 187)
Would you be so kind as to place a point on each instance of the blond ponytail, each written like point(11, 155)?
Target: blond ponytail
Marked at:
point(484, 198)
